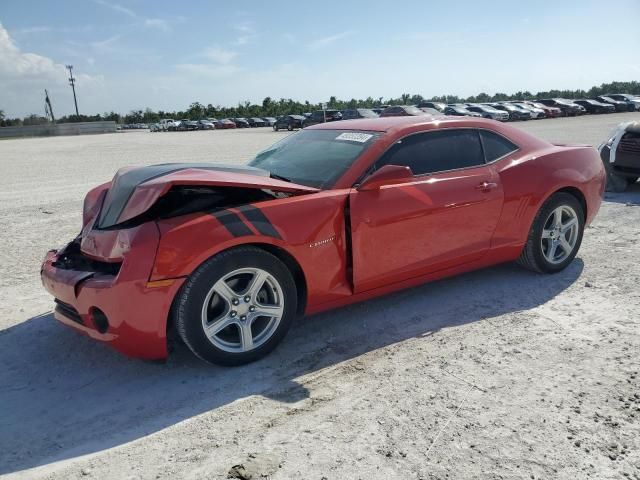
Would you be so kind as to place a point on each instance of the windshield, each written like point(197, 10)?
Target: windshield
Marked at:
point(367, 113)
point(413, 111)
point(316, 158)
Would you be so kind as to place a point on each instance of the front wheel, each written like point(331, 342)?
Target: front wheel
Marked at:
point(555, 235)
point(236, 307)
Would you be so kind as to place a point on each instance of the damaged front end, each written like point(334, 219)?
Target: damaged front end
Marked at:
point(621, 156)
point(102, 281)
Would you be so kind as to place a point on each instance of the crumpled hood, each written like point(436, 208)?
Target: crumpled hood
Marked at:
point(135, 189)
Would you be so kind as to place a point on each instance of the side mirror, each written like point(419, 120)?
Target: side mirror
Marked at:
point(387, 175)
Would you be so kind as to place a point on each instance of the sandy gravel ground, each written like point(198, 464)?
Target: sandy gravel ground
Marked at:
point(495, 374)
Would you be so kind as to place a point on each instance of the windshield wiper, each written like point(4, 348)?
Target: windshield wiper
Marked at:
point(279, 177)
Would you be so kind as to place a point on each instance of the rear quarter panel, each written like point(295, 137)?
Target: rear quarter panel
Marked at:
point(529, 179)
point(310, 228)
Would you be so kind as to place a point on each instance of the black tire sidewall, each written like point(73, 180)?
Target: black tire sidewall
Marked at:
point(557, 200)
point(194, 292)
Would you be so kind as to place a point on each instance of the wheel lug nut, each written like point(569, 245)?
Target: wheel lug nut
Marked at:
point(235, 301)
point(243, 317)
point(233, 313)
point(252, 308)
point(247, 299)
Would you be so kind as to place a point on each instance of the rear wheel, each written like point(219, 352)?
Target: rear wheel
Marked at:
point(275, 127)
point(555, 235)
point(237, 306)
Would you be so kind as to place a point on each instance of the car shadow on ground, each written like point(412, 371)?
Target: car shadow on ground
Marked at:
point(630, 196)
point(64, 395)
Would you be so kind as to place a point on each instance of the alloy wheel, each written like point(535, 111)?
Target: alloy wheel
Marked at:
point(242, 310)
point(560, 234)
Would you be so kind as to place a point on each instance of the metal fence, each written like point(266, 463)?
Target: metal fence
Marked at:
point(81, 128)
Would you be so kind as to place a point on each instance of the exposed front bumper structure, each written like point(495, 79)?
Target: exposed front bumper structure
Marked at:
point(123, 309)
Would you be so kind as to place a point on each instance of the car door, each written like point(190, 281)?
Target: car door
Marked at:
point(442, 217)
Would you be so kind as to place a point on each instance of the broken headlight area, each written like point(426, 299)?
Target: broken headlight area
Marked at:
point(71, 258)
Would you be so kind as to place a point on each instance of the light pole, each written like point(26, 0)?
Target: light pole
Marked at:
point(72, 82)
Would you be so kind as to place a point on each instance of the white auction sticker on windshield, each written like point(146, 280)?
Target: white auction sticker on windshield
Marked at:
point(354, 137)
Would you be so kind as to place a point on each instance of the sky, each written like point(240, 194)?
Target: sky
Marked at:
point(134, 54)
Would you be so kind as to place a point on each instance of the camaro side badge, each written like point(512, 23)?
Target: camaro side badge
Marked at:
point(322, 242)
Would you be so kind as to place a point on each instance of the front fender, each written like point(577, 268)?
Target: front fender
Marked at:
point(310, 228)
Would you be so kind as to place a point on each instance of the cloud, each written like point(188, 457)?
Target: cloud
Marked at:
point(117, 7)
point(219, 55)
point(245, 27)
point(105, 45)
point(207, 70)
point(24, 76)
point(30, 30)
point(247, 30)
point(326, 41)
point(157, 23)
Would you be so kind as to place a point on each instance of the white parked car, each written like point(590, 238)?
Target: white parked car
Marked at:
point(168, 124)
point(536, 112)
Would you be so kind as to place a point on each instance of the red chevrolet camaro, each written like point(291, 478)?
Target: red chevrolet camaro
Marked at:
point(341, 212)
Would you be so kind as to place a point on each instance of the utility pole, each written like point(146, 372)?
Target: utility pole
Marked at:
point(47, 106)
point(72, 82)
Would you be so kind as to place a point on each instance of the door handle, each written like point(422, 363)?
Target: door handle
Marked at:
point(486, 186)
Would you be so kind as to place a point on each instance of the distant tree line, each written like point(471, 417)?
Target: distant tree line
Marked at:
point(274, 108)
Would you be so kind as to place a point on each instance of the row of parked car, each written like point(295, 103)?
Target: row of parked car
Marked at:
point(502, 111)
point(170, 125)
point(513, 110)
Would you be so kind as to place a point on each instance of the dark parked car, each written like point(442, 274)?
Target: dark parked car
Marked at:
point(321, 116)
point(435, 105)
point(594, 106)
point(269, 121)
point(515, 113)
point(402, 111)
point(459, 111)
point(205, 124)
point(241, 122)
point(621, 156)
point(568, 109)
point(256, 122)
point(289, 122)
point(187, 124)
point(358, 113)
point(379, 109)
point(619, 105)
point(625, 97)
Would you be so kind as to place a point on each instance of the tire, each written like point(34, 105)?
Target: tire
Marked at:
point(543, 235)
point(290, 127)
point(232, 272)
point(275, 128)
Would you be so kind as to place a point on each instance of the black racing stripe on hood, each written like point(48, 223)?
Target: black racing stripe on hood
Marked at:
point(124, 185)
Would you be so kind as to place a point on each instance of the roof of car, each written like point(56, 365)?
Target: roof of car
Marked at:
point(383, 124)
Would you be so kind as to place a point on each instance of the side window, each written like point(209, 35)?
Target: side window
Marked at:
point(495, 146)
point(438, 151)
